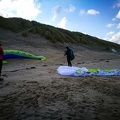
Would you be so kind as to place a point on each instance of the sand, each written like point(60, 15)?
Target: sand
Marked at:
point(33, 90)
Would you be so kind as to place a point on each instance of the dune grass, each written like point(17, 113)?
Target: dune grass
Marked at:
point(55, 34)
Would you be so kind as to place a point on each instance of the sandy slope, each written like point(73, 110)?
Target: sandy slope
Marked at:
point(33, 90)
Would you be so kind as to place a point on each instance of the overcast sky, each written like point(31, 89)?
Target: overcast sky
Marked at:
point(99, 18)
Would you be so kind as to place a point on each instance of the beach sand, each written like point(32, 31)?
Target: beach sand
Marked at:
point(33, 90)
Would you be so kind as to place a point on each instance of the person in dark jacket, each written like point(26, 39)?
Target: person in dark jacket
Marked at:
point(1, 60)
point(70, 55)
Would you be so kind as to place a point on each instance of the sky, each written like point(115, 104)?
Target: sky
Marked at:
point(98, 18)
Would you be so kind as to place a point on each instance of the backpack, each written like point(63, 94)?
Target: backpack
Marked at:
point(71, 55)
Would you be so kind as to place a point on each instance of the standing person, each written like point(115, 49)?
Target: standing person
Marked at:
point(70, 55)
point(1, 59)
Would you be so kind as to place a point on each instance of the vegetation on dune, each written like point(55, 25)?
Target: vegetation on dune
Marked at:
point(54, 34)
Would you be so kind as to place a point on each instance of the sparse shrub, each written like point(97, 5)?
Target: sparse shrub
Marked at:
point(34, 31)
point(48, 35)
point(24, 34)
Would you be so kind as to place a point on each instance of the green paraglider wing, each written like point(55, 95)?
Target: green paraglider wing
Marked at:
point(21, 54)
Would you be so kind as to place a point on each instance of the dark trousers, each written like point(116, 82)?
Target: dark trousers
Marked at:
point(69, 63)
point(0, 66)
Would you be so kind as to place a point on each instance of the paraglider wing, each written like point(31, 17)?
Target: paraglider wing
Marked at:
point(76, 71)
point(8, 54)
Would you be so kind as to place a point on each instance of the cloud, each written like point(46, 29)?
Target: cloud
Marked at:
point(114, 19)
point(115, 38)
point(56, 12)
point(110, 33)
point(117, 4)
point(62, 23)
point(70, 9)
point(92, 12)
point(118, 26)
point(110, 25)
point(28, 9)
point(118, 15)
point(82, 12)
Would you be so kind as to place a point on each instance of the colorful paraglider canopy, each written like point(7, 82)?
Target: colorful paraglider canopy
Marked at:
point(4, 62)
point(76, 71)
point(8, 54)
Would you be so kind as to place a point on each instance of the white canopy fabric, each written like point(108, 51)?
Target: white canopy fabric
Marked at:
point(76, 71)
